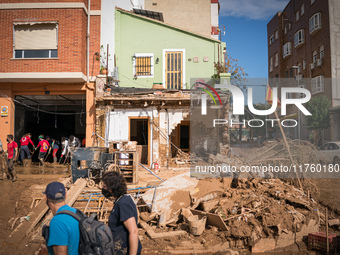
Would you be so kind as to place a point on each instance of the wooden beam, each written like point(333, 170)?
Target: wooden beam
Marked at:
point(153, 235)
point(35, 215)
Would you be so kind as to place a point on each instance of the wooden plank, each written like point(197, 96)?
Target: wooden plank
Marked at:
point(153, 235)
point(71, 195)
point(212, 219)
point(35, 216)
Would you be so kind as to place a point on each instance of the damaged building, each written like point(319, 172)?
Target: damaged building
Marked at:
point(157, 119)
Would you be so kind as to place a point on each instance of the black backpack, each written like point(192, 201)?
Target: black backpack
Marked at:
point(95, 236)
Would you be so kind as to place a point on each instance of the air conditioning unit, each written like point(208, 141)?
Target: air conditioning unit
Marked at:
point(312, 65)
point(319, 62)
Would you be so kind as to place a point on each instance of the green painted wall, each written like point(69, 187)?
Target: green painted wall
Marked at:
point(139, 35)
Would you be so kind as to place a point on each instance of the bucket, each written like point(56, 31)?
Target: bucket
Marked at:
point(197, 224)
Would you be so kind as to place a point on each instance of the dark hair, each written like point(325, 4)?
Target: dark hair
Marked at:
point(56, 201)
point(115, 182)
point(71, 137)
point(10, 137)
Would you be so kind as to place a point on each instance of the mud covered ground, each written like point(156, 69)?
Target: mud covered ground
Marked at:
point(16, 200)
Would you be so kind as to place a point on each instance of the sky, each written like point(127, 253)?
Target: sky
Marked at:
point(245, 35)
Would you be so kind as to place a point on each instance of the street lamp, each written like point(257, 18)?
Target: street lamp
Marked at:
point(298, 85)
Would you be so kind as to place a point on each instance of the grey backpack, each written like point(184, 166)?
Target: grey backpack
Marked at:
point(95, 236)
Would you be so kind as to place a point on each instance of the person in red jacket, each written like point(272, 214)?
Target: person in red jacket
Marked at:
point(44, 145)
point(24, 150)
point(12, 156)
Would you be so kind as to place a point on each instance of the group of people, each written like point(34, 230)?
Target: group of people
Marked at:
point(46, 144)
point(64, 235)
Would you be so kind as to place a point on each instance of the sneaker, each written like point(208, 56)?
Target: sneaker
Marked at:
point(14, 179)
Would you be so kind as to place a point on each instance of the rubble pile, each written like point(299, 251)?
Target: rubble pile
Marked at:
point(240, 213)
point(181, 159)
point(275, 152)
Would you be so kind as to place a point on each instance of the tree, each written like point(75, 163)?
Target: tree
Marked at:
point(230, 65)
point(238, 75)
point(320, 118)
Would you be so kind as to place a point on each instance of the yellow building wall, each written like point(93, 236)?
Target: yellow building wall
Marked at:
point(193, 15)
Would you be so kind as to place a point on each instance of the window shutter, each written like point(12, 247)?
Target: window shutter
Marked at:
point(35, 37)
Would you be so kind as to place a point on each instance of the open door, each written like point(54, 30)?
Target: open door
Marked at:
point(139, 132)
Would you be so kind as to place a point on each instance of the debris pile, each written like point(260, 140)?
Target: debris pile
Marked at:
point(275, 152)
point(181, 159)
point(243, 213)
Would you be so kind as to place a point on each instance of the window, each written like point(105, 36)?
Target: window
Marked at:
point(324, 147)
point(276, 34)
point(143, 65)
point(317, 84)
point(299, 67)
point(271, 64)
point(297, 15)
point(286, 28)
point(299, 38)
point(302, 9)
point(312, 2)
point(289, 25)
point(322, 52)
point(276, 59)
point(333, 146)
point(315, 23)
point(287, 49)
point(315, 56)
point(271, 39)
point(304, 64)
point(36, 40)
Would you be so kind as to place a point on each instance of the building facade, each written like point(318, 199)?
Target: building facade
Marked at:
point(165, 54)
point(156, 64)
point(302, 48)
point(46, 67)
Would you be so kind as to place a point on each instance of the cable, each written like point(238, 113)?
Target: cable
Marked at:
point(133, 81)
point(38, 116)
point(37, 109)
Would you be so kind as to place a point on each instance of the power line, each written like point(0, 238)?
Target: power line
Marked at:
point(39, 110)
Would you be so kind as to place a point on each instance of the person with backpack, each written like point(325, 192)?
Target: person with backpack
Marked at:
point(64, 233)
point(71, 231)
point(44, 145)
point(123, 219)
point(24, 150)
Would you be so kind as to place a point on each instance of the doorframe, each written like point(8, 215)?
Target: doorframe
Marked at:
point(149, 138)
point(183, 65)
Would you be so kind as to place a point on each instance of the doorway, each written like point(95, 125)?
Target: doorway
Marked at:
point(173, 69)
point(139, 132)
